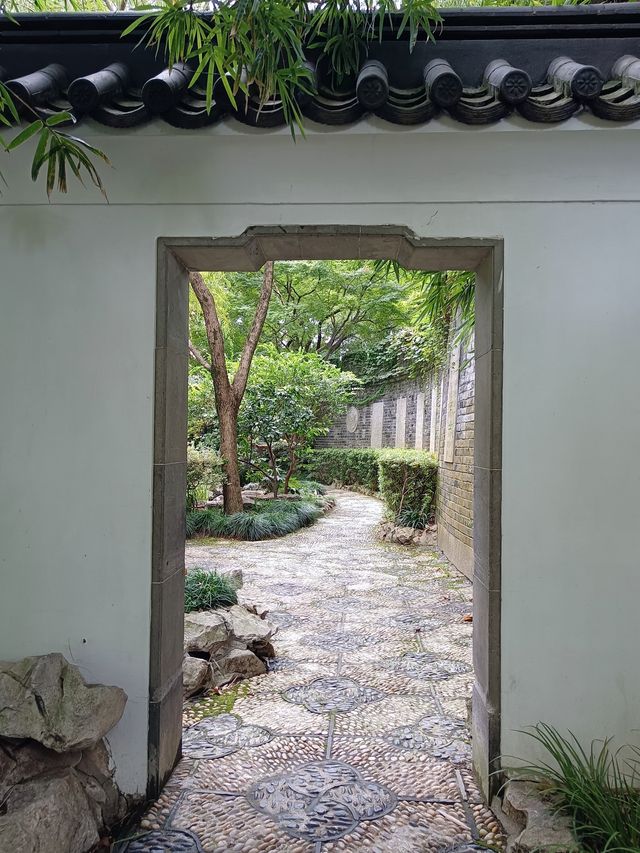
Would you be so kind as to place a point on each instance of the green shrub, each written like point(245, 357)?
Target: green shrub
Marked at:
point(408, 485)
point(205, 473)
point(205, 590)
point(353, 467)
point(267, 520)
point(598, 788)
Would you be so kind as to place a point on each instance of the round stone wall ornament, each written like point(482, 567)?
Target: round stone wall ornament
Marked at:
point(353, 416)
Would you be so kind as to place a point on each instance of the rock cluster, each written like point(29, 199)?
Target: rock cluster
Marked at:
point(56, 778)
point(389, 532)
point(224, 645)
point(534, 821)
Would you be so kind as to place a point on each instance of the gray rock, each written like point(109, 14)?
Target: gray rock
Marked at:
point(237, 663)
point(45, 698)
point(196, 673)
point(205, 631)
point(50, 814)
point(96, 772)
point(427, 538)
point(245, 626)
point(404, 535)
point(21, 761)
point(541, 827)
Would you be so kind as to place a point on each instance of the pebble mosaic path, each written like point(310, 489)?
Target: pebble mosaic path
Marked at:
point(357, 738)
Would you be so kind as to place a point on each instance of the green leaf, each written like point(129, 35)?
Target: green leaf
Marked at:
point(60, 118)
point(40, 154)
point(24, 135)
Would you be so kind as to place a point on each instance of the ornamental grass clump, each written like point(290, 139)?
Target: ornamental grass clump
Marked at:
point(267, 520)
point(599, 788)
point(205, 590)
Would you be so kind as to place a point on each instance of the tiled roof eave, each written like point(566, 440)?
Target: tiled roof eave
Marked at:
point(485, 66)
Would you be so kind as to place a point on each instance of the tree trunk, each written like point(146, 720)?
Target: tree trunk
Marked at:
point(228, 395)
point(293, 461)
point(231, 490)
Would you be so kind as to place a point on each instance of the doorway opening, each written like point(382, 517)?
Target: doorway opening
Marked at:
point(249, 252)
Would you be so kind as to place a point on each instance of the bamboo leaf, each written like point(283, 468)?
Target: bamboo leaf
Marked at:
point(27, 133)
point(60, 118)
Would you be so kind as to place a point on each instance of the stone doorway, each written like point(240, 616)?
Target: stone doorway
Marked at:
point(249, 252)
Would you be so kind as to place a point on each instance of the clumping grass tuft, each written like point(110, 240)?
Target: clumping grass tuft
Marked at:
point(267, 520)
point(205, 590)
point(598, 788)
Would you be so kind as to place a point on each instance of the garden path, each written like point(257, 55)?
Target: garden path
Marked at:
point(357, 739)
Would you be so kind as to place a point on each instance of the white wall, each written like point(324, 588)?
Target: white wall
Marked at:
point(76, 369)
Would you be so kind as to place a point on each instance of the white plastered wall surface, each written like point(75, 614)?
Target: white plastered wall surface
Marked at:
point(77, 306)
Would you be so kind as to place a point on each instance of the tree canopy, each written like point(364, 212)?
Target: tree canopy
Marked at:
point(291, 399)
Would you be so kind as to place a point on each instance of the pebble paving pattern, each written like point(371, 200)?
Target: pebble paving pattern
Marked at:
point(357, 738)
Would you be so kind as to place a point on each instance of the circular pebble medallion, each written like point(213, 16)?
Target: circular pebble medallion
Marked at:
point(331, 693)
point(428, 667)
point(215, 737)
point(163, 841)
point(321, 801)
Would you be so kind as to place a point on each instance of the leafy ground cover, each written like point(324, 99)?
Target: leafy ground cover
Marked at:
point(266, 520)
point(205, 590)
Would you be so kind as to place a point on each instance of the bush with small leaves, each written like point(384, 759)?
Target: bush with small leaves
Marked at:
point(351, 467)
point(408, 485)
point(205, 473)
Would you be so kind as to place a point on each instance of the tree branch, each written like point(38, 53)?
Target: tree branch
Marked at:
point(242, 373)
point(197, 356)
point(215, 337)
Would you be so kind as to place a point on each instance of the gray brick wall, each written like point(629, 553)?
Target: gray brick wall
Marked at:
point(340, 437)
point(455, 479)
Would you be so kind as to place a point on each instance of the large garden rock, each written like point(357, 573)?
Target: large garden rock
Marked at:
point(223, 645)
point(45, 698)
point(21, 761)
point(96, 773)
point(50, 814)
point(205, 631)
point(196, 674)
point(237, 663)
point(245, 626)
point(57, 787)
point(539, 825)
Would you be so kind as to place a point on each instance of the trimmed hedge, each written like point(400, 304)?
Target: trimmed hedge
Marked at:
point(406, 479)
point(346, 467)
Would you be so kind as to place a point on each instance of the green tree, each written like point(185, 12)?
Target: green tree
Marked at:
point(326, 307)
point(228, 390)
point(291, 399)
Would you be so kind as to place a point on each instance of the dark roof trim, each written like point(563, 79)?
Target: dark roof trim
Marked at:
point(486, 63)
point(510, 22)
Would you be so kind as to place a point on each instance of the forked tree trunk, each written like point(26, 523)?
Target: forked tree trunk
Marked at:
point(228, 395)
point(231, 489)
